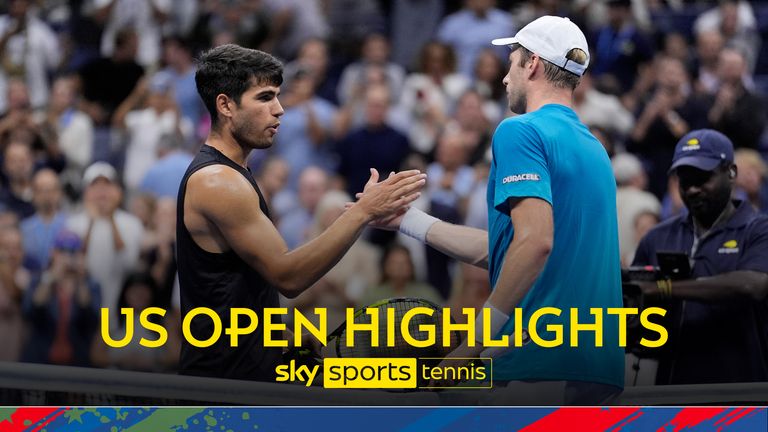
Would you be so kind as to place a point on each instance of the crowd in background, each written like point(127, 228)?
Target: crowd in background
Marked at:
point(101, 117)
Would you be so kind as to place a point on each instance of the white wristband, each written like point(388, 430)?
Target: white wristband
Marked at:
point(416, 223)
point(498, 319)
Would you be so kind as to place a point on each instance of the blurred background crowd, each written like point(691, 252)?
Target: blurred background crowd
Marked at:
point(100, 118)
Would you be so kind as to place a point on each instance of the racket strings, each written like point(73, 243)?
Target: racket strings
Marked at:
point(363, 343)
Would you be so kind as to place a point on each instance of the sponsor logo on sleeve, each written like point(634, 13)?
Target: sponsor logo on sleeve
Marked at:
point(520, 177)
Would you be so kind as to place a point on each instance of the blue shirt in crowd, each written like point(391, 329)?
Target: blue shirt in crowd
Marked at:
point(38, 238)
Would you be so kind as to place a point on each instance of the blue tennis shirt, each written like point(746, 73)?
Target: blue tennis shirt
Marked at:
point(550, 155)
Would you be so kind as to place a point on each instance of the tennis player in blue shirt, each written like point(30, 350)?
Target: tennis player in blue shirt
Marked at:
point(552, 239)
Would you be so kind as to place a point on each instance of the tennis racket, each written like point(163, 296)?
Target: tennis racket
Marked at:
point(337, 342)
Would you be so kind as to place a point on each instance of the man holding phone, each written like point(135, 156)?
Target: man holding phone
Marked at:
point(719, 313)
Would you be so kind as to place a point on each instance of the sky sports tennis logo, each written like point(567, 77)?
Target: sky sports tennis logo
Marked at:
point(520, 177)
point(386, 373)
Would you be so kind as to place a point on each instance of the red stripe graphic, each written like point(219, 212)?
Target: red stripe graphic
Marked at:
point(629, 420)
point(689, 417)
point(581, 419)
point(25, 417)
point(738, 415)
point(48, 420)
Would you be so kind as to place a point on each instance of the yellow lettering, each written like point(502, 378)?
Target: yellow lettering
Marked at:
point(622, 313)
point(663, 336)
point(157, 328)
point(188, 333)
point(555, 328)
point(128, 312)
point(428, 328)
point(596, 327)
point(270, 327)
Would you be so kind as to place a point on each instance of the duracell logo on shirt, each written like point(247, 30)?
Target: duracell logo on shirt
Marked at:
point(520, 177)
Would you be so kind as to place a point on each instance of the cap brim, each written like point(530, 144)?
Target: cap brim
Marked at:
point(705, 164)
point(504, 41)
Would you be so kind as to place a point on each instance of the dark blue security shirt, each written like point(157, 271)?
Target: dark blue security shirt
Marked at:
point(720, 342)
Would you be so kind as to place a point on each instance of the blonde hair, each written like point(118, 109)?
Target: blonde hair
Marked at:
point(751, 158)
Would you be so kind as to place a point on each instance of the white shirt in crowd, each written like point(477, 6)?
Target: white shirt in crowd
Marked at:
point(33, 52)
point(105, 265)
point(145, 128)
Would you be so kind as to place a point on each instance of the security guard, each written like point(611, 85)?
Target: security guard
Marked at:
point(718, 319)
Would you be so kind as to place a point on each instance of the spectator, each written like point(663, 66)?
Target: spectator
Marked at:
point(413, 24)
point(631, 200)
point(107, 81)
point(350, 21)
point(375, 145)
point(180, 67)
point(717, 314)
point(397, 279)
point(29, 50)
point(430, 93)
point(292, 22)
point(73, 127)
point(602, 110)
point(708, 47)
point(672, 203)
point(148, 114)
point(139, 292)
point(272, 178)
point(16, 191)
point(39, 230)
point(669, 114)
point(14, 275)
point(474, 120)
point(145, 16)
point(450, 178)
point(737, 112)
point(62, 308)
point(295, 225)
point(621, 49)
point(243, 23)
point(111, 236)
point(158, 254)
point(752, 177)
point(375, 52)
point(163, 178)
point(18, 124)
point(313, 57)
point(489, 76)
point(10, 299)
point(469, 30)
point(304, 138)
point(355, 274)
point(735, 21)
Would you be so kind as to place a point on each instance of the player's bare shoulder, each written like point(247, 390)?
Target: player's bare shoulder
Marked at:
point(216, 196)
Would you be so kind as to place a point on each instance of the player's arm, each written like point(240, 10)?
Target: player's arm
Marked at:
point(463, 243)
point(527, 254)
point(229, 202)
point(525, 259)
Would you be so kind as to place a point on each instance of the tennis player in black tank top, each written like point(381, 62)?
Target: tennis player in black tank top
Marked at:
point(229, 252)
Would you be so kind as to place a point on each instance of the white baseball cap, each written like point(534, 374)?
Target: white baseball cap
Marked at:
point(98, 170)
point(552, 37)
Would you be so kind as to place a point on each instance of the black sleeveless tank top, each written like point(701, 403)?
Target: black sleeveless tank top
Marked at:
point(222, 281)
